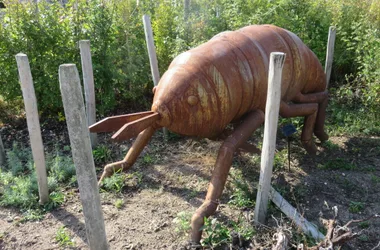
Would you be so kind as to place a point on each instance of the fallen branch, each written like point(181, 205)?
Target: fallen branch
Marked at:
point(337, 236)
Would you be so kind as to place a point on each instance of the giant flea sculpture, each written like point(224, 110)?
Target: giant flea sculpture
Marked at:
point(225, 81)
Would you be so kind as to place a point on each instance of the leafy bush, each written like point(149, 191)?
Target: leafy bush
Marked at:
point(49, 33)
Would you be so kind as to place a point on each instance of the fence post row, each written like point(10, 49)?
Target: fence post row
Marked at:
point(88, 83)
point(33, 122)
point(330, 54)
point(152, 56)
point(82, 155)
point(270, 128)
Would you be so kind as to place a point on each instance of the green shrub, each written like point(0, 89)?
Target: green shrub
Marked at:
point(50, 35)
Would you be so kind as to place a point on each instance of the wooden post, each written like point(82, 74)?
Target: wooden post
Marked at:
point(82, 155)
point(330, 54)
point(88, 83)
point(33, 122)
point(269, 145)
point(2, 153)
point(152, 56)
point(292, 213)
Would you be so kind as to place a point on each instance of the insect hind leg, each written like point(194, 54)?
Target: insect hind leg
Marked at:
point(322, 99)
point(309, 111)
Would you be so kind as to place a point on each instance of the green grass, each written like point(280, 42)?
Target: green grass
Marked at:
point(119, 203)
point(242, 193)
point(19, 187)
point(338, 164)
point(182, 222)
point(114, 183)
point(330, 145)
point(63, 238)
point(356, 207)
point(102, 154)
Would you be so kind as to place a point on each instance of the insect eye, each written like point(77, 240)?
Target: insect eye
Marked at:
point(192, 100)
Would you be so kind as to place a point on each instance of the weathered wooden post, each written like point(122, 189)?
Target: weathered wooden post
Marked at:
point(2, 153)
point(82, 155)
point(88, 83)
point(330, 54)
point(270, 128)
point(152, 55)
point(33, 122)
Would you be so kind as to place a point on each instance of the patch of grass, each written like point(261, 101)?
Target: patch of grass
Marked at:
point(19, 160)
point(363, 238)
point(62, 168)
point(364, 224)
point(18, 191)
point(243, 228)
point(32, 215)
point(18, 184)
point(182, 222)
point(56, 198)
point(102, 154)
point(280, 159)
point(330, 145)
point(339, 164)
point(243, 195)
point(114, 183)
point(375, 179)
point(119, 203)
point(148, 159)
point(63, 238)
point(356, 206)
point(344, 119)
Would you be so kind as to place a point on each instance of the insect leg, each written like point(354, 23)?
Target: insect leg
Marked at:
point(222, 167)
point(309, 111)
point(322, 99)
point(134, 152)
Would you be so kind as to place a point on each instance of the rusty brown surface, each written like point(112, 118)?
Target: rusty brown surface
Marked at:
point(223, 79)
point(114, 123)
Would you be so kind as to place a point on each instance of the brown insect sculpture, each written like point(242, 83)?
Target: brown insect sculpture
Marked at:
point(225, 81)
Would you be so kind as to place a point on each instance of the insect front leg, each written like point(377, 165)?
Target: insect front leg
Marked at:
point(134, 152)
point(222, 166)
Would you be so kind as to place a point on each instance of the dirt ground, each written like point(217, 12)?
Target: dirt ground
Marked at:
point(173, 178)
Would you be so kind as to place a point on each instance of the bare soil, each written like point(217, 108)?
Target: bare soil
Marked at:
point(174, 178)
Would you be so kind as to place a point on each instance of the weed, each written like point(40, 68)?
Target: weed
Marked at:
point(115, 183)
point(356, 206)
point(63, 238)
point(216, 233)
point(339, 163)
point(102, 154)
point(119, 203)
point(182, 222)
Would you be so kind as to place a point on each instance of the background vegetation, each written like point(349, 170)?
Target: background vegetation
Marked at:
point(49, 34)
